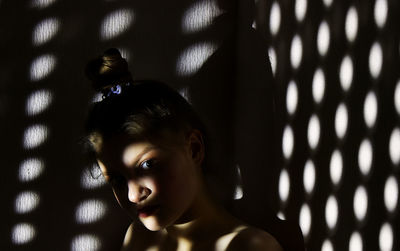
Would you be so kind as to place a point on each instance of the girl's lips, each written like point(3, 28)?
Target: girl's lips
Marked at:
point(147, 211)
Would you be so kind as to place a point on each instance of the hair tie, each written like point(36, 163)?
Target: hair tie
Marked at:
point(114, 90)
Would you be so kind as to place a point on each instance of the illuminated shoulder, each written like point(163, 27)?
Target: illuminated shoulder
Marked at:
point(254, 239)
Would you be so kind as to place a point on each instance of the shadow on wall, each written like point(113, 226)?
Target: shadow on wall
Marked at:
point(205, 48)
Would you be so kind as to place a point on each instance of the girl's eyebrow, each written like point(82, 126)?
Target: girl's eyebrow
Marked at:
point(140, 155)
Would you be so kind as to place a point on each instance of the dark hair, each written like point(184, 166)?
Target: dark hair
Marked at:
point(143, 109)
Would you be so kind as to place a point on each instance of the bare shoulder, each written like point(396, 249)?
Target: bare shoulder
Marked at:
point(254, 239)
point(137, 237)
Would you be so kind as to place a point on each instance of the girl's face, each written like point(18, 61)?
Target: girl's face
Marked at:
point(158, 183)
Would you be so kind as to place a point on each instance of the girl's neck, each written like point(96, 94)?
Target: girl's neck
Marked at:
point(204, 218)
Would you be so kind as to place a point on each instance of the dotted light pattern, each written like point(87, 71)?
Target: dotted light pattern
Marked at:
point(36, 133)
point(335, 65)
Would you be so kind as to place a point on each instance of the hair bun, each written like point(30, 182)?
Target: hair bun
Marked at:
point(109, 69)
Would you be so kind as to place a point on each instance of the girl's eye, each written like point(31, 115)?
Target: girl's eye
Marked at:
point(146, 165)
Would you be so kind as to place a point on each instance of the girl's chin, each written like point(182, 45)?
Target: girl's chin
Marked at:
point(152, 225)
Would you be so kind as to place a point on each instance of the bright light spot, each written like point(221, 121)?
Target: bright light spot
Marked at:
point(38, 102)
point(394, 146)
point(375, 60)
point(370, 109)
point(281, 215)
point(365, 156)
point(356, 243)
point(331, 212)
point(327, 246)
point(287, 142)
point(97, 97)
point(391, 194)
point(386, 237)
point(26, 202)
point(291, 97)
point(327, 3)
point(45, 31)
point(313, 131)
point(23, 233)
point(296, 51)
point(318, 85)
point(309, 176)
point(380, 12)
point(125, 53)
point(85, 242)
point(336, 167)
point(34, 136)
point(90, 211)
point(346, 73)
point(341, 120)
point(360, 203)
point(116, 23)
point(199, 16)
point(272, 59)
point(397, 97)
point(323, 38)
point(300, 9)
point(305, 219)
point(191, 59)
point(30, 169)
point(351, 25)
point(42, 3)
point(284, 185)
point(185, 93)
point(254, 25)
point(275, 18)
point(90, 181)
point(238, 194)
point(42, 67)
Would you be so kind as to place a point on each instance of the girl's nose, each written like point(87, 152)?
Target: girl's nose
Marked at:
point(137, 192)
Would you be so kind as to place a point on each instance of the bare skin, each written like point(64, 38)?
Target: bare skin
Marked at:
point(160, 185)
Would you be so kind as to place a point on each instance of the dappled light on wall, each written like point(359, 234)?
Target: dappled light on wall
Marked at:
point(351, 25)
point(309, 177)
point(323, 38)
point(331, 212)
point(284, 186)
point(334, 64)
point(275, 18)
point(318, 85)
point(116, 23)
point(35, 136)
point(30, 169)
point(291, 98)
point(38, 101)
point(300, 9)
point(23, 233)
point(41, 4)
point(91, 179)
point(90, 211)
point(346, 73)
point(42, 66)
point(192, 58)
point(360, 203)
point(296, 52)
point(85, 242)
point(386, 237)
point(355, 243)
point(336, 167)
point(26, 202)
point(305, 220)
point(45, 31)
point(199, 16)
